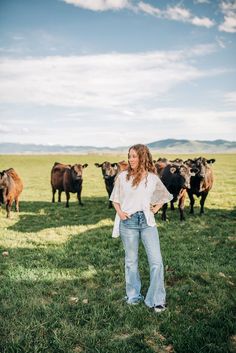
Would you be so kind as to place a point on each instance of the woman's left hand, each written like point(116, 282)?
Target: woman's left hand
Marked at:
point(155, 208)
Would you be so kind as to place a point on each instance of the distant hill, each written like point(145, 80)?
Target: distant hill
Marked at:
point(167, 146)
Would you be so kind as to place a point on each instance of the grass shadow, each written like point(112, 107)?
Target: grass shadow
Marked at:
point(38, 215)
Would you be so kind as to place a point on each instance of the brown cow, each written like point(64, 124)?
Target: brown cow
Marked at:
point(67, 178)
point(11, 186)
point(57, 173)
point(121, 166)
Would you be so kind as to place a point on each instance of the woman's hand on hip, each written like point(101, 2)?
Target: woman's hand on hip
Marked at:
point(155, 208)
point(123, 215)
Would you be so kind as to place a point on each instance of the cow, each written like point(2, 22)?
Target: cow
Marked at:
point(121, 166)
point(67, 178)
point(160, 164)
point(57, 173)
point(109, 172)
point(202, 182)
point(176, 178)
point(11, 187)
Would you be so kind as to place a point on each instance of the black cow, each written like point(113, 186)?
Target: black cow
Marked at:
point(109, 172)
point(176, 178)
point(202, 182)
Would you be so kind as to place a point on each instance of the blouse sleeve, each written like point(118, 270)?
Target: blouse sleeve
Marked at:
point(115, 195)
point(160, 195)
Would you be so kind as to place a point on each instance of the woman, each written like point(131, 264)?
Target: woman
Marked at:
point(137, 195)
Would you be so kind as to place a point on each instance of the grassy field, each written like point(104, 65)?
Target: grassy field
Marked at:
point(62, 284)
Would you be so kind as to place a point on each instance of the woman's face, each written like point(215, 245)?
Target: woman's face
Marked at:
point(133, 159)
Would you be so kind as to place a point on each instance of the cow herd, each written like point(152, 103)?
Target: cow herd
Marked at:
point(181, 178)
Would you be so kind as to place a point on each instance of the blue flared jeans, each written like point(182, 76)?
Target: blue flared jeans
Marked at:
point(131, 230)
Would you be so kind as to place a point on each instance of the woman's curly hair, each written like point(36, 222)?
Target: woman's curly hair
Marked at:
point(145, 163)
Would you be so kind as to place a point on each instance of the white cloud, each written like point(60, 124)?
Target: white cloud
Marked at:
point(175, 13)
point(230, 98)
point(149, 9)
point(95, 81)
point(202, 1)
point(100, 5)
point(112, 128)
point(229, 11)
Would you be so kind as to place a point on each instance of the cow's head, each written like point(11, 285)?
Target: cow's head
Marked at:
point(122, 165)
point(185, 172)
point(77, 171)
point(160, 164)
point(109, 170)
point(200, 166)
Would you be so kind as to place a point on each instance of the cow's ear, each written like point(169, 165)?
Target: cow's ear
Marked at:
point(98, 165)
point(85, 165)
point(210, 161)
point(172, 170)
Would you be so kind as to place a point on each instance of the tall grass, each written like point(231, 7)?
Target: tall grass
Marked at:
point(62, 283)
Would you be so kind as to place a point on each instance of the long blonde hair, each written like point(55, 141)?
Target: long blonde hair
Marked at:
point(145, 163)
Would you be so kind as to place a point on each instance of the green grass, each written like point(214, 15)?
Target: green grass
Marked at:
point(63, 282)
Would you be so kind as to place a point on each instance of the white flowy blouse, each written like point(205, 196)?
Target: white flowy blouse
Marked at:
point(150, 191)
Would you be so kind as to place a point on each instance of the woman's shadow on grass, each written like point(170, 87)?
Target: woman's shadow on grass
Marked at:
point(35, 216)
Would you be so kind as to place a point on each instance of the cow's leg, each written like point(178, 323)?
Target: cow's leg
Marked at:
point(79, 198)
point(8, 208)
point(67, 198)
point(163, 215)
point(17, 204)
point(53, 194)
point(59, 195)
point(110, 204)
point(181, 207)
point(202, 201)
point(172, 207)
point(192, 201)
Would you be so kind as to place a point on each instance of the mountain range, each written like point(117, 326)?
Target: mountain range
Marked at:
point(167, 146)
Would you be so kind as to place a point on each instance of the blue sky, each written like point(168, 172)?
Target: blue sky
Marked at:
point(117, 72)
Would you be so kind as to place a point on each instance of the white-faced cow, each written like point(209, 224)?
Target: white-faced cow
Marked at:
point(11, 187)
point(202, 182)
point(67, 178)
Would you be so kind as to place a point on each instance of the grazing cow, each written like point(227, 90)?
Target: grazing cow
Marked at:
point(202, 182)
point(176, 178)
point(67, 178)
point(109, 172)
point(11, 186)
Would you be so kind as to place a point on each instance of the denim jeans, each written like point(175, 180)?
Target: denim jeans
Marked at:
point(131, 230)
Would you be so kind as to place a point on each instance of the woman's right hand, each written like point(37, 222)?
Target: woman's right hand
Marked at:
point(123, 215)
